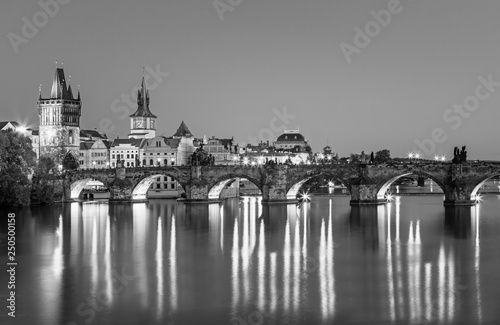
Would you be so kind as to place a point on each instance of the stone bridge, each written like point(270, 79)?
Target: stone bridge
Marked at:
point(366, 183)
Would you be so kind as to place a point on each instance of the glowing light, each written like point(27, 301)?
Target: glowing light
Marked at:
point(329, 157)
point(245, 161)
point(410, 155)
point(479, 198)
point(21, 129)
point(443, 158)
point(252, 163)
point(389, 197)
point(305, 197)
point(332, 184)
point(417, 155)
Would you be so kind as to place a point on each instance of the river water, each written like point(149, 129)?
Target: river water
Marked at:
point(409, 262)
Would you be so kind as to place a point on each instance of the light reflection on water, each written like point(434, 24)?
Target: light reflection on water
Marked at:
point(411, 262)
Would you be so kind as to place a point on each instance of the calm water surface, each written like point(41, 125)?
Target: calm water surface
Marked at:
point(409, 262)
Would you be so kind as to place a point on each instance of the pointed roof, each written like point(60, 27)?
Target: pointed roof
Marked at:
point(183, 131)
point(59, 89)
point(70, 93)
point(143, 102)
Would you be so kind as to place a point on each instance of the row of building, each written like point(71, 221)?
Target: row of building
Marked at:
point(61, 137)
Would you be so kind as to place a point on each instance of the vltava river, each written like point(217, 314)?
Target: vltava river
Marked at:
point(409, 262)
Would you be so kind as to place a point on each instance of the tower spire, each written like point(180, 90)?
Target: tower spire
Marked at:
point(79, 99)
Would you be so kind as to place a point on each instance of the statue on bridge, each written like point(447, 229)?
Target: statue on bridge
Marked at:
point(459, 156)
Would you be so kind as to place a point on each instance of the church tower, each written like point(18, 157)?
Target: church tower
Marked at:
point(60, 121)
point(142, 122)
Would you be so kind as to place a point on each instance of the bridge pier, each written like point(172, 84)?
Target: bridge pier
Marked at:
point(365, 195)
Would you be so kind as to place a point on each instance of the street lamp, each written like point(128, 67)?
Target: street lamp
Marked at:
point(235, 159)
point(107, 164)
point(158, 160)
point(172, 161)
point(245, 161)
point(93, 163)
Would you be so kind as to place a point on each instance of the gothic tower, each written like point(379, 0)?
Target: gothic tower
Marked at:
point(142, 122)
point(60, 121)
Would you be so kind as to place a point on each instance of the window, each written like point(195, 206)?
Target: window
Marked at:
point(151, 162)
point(172, 185)
point(158, 186)
point(128, 156)
point(128, 164)
point(165, 161)
point(113, 157)
point(158, 179)
point(144, 162)
point(165, 186)
point(165, 178)
point(71, 140)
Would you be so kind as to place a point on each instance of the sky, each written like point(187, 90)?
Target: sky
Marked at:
point(408, 76)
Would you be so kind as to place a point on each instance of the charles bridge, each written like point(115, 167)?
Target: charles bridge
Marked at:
point(366, 183)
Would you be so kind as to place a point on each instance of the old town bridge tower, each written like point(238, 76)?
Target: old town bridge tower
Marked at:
point(60, 121)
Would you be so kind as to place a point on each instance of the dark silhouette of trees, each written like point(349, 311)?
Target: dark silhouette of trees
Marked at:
point(17, 160)
point(382, 156)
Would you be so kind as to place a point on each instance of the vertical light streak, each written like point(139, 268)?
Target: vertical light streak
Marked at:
point(411, 274)
point(441, 283)
point(262, 267)
point(107, 255)
point(323, 271)
point(286, 267)
point(245, 253)
point(235, 267)
point(173, 265)
point(399, 268)
point(451, 287)
point(330, 274)
point(418, 267)
point(159, 267)
point(390, 271)
point(222, 231)
point(273, 283)
point(95, 269)
point(296, 265)
point(477, 260)
point(428, 292)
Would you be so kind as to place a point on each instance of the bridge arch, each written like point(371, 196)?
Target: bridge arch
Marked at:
point(218, 185)
point(388, 182)
point(77, 186)
point(295, 187)
point(140, 190)
point(478, 184)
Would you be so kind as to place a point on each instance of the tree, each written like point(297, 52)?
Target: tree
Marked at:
point(200, 158)
point(43, 181)
point(382, 156)
point(355, 158)
point(17, 160)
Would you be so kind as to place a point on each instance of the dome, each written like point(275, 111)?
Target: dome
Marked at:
point(291, 137)
point(327, 149)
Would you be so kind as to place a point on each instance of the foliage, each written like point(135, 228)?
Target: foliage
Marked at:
point(200, 158)
point(17, 160)
point(382, 156)
point(43, 181)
